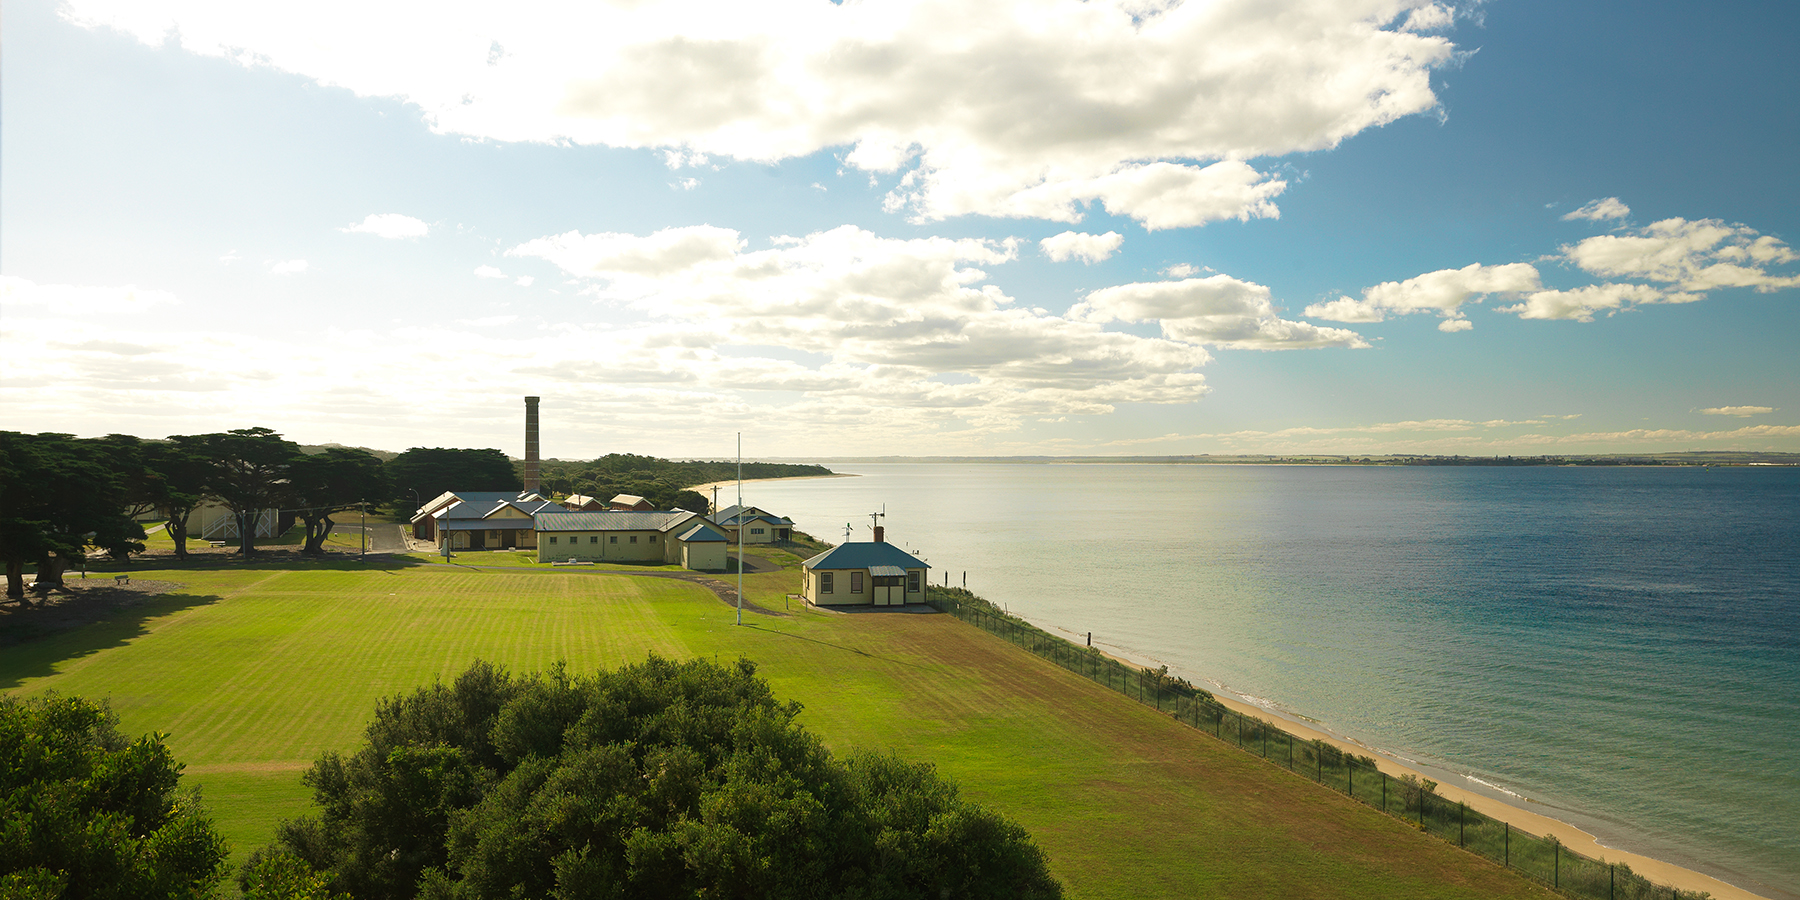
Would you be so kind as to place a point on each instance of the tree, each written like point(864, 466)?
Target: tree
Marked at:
point(427, 472)
point(86, 813)
point(58, 496)
point(335, 479)
point(662, 779)
point(693, 501)
point(248, 471)
point(182, 468)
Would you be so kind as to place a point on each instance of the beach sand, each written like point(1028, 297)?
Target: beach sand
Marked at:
point(1575, 839)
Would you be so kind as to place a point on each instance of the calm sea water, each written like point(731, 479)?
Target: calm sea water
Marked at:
point(1619, 646)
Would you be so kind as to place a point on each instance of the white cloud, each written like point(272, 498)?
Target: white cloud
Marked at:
point(19, 296)
point(1218, 310)
point(1600, 211)
point(685, 184)
point(289, 267)
point(1180, 270)
point(389, 225)
point(1700, 255)
point(488, 272)
point(524, 281)
point(1443, 292)
point(1008, 108)
point(1451, 326)
point(1089, 248)
point(1739, 411)
point(1580, 304)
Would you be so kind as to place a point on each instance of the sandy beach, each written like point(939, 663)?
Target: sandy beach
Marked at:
point(1521, 817)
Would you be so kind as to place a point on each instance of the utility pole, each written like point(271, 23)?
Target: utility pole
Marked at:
point(740, 503)
point(362, 512)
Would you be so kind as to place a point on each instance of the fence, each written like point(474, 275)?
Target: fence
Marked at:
point(1406, 798)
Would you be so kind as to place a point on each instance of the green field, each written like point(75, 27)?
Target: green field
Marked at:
point(252, 672)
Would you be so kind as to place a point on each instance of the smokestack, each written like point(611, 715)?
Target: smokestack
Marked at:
point(531, 444)
point(880, 535)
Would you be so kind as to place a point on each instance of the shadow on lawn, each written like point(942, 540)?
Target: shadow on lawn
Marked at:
point(35, 641)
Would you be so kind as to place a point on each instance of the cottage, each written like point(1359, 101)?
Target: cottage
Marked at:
point(864, 574)
point(673, 537)
point(486, 521)
point(581, 503)
point(425, 521)
point(758, 526)
point(632, 502)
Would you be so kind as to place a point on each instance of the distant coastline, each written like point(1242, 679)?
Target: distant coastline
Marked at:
point(1694, 458)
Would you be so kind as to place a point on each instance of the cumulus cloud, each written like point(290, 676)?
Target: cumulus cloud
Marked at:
point(1700, 255)
point(1580, 304)
point(1599, 211)
point(389, 225)
point(1217, 310)
point(1444, 292)
point(1738, 411)
point(1089, 248)
point(289, 267)
point(1008, 108)
point(524, 281)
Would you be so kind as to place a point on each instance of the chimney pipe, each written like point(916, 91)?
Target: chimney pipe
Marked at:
point(531, 444)
point(880, 535)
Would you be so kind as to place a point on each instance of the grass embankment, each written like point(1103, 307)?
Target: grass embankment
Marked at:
point(252, 672)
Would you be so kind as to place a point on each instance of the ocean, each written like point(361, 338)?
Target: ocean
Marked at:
point(1616, 647)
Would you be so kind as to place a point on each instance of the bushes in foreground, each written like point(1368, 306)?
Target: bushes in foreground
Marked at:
point(662, 779)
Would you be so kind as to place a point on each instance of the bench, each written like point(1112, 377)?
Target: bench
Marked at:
point(121, 579)
point(217, 543)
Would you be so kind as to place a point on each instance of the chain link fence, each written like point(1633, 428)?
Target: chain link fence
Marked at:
point(1407, 798)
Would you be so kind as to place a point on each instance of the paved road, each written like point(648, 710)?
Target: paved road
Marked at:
point(383, 538)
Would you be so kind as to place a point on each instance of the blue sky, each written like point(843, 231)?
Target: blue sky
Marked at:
point(907, 227)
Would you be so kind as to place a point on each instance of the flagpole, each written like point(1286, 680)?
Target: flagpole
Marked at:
point(740, 518)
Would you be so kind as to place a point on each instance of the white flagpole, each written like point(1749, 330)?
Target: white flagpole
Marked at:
point(740, 518)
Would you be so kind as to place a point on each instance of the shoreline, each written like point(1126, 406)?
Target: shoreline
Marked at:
point(1574, 838)
point(703, 488)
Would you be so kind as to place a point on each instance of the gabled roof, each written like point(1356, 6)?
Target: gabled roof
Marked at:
point(613, 520)
point(629, 501)
point(484, 508)
point(701, 533)
point(450, 499)
point(865, 555)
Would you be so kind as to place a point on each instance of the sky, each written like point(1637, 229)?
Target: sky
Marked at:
point(906, 227)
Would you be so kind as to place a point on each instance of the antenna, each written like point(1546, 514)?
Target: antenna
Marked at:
point(847, 530)
point(875, 517)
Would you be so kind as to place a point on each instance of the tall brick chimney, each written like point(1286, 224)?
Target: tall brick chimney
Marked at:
point(880, 535)
point(531, 444)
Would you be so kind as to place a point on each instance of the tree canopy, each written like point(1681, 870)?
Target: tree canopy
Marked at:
point(660, 780)
point(663, 482)
point(86, 813)
point(422, 473)
point(59, 495)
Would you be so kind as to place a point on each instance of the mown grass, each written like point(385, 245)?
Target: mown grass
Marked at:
point(253, 672)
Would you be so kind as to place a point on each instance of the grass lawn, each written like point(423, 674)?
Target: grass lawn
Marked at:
point(252, 672)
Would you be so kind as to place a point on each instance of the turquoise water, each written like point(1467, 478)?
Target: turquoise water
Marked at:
point(1617, 647)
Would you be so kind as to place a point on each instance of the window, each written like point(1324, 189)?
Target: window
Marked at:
point(553, 539)
point(653, 539)
point(612, 538)
point(756, 531)
point(856, 582)
point(634, 538)
point(912, 582)
point(593, 539)
point(825, 582)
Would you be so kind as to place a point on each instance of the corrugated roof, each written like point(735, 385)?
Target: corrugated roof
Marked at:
point(479, 509)
point(702, 533)
point(886, 571)
point(486, 525)
point(864, 556)
point(612, 520)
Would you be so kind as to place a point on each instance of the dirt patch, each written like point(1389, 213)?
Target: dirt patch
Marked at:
point(79, 602)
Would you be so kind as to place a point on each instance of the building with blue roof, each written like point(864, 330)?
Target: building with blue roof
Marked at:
point(875, 573)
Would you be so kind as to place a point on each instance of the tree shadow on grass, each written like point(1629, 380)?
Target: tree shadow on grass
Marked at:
point(34, 642)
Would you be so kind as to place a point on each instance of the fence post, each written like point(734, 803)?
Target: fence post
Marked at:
point(1556, 864)
point(1350, 778)
point(1611, 880)
point(1507, 859)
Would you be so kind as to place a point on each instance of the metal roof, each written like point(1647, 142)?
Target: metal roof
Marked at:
point(612, 520)
point(865, 556)
point(886, 571)
point(486, 525)
point(481, 509)
point(701, 533)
